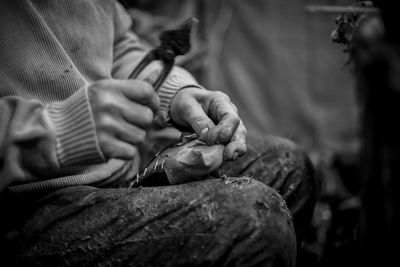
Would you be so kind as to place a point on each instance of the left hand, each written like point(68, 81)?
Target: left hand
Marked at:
point(213, 117)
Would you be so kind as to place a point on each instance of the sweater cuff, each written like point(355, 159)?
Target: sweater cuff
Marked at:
point(76, 142)
point(176, 81)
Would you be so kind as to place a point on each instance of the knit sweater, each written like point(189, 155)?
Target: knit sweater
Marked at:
point(50, 51)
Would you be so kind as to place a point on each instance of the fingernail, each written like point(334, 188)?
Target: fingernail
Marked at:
point(203, 134)
point(235, 155)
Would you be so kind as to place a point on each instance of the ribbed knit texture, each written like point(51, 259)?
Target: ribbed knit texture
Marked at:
point(179, 78)
point(73, 120)
point(49, 52)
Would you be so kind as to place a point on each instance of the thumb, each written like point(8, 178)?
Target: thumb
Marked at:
point(198, 120)
point(152, 77)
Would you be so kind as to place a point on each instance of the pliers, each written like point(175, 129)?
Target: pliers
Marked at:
point(173, 42)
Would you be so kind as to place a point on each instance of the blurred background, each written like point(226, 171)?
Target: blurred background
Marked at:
point(277, 62)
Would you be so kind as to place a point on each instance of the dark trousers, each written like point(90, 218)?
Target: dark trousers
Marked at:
point(256, 214)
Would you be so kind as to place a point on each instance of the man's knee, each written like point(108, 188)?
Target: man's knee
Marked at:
point(272, 160)
point(279, 163)
point(286, 167)
point(254, 220)
point(267, 153)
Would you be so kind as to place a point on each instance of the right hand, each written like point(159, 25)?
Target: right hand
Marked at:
point(122, 111)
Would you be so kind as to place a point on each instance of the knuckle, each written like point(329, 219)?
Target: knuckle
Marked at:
point(221, 95)
point(101, 96)
point(109, 106)
point(106, 123)
point(129, 152)
point(235, 108)
point(198, 120)
point(201, 122)
point(147, 116)
point(147, 91)
point(141, 136)
point(235, 119)
point(153, 76)
point(243, 131)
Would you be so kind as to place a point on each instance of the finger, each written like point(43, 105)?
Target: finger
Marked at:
point(238, 146)
point(195, 116)
point(137, 114)
point(131, 112)
point(141, 92)
point(123, 131)
point(115, 148)
point(152, 77)
point(225, 129)
point(130, 133)
point(228, 121)
point(234, 150)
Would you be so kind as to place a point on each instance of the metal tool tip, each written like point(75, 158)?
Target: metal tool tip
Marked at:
point(178, 38)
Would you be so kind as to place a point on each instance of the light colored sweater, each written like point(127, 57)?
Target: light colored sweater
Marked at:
point(49, 52)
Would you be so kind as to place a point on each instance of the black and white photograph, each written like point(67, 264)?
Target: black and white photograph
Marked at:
point(212, 133)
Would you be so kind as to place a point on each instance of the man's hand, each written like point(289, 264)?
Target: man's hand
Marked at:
point(122, 111)
point(213, 117)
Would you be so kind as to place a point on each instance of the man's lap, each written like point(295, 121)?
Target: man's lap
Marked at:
point(207, 221)
point(284, 166)
point(223, 220)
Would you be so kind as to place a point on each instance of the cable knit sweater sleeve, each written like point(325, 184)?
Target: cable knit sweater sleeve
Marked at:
point(36, 139)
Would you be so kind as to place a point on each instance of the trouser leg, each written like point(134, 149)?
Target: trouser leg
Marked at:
point(284, 166)
point(276, 162)
point(207, 223)
point(218, 222)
